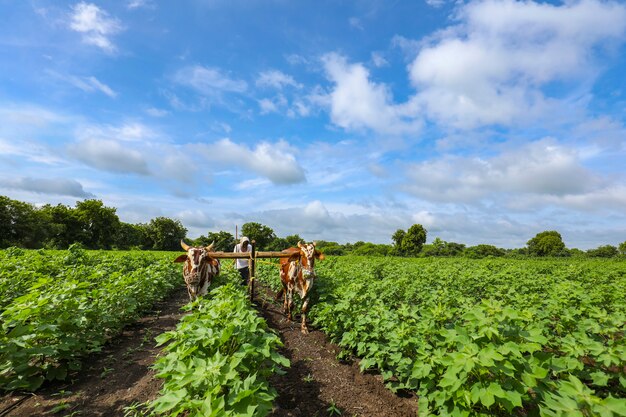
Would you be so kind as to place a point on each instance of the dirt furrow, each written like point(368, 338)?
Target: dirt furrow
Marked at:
point(319, 385)
point(316, 384)
point(117, 377)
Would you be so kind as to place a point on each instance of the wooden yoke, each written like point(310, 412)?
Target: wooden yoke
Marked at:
point(252, 255)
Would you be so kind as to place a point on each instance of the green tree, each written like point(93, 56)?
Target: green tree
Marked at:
point(131, 236)
point(397, 238)
point(99, 223)
point(413, 240)
point(329, 248)
point(280, 243)
point(224, 241)
point(483, 251)
point(437, 248)
point(622, 248)
point(165, 233)
point(548, 243)
point(372, 249)
point(20, 224)
point(263, 235)
point(65, 227)
point(292, 240)
point(606, 251)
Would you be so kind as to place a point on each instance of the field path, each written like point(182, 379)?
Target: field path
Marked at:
point(317, 384)
point(117, 377)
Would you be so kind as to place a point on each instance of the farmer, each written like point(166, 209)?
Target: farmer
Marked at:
point(242, 265)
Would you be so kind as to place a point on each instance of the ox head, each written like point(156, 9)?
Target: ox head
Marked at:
point(196, 257)
point(309, 254)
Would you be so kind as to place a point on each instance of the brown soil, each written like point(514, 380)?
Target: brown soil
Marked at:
point(117, 377)
point(316, 384)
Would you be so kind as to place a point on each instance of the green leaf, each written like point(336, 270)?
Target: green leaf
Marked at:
point(599, 378)
point(486, 397)
point(514, 397)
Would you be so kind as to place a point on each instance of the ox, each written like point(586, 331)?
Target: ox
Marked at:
point(199, 269)
point(298, 273)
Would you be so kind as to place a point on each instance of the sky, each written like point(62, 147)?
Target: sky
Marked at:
point(485, 121)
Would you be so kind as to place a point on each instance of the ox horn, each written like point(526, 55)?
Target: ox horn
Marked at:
point(210, 247)
point(300, 244)
point(184, 245)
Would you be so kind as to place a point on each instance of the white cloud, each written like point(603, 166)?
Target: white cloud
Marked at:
point(127, 132)
point(109, 155)
point(276, 79)
point(138, 4)
point(273, 105)
point(436, 3)
point(55, 186)
point(275, 161)
point(355, 22)
point(196, 219)
point(379, 60)
point(173, 163)
point(267, 106)
point(358, 103)
point(155, 112)
point(95, 25)
point(492, 68)
point(88, 84)
point(209, 80)
point(29, 116)
point(295, 59)
point(252, 184)
point(542, 168)
point(611, 198)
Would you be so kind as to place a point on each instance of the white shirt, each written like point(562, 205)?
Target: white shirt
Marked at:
point(242, 263)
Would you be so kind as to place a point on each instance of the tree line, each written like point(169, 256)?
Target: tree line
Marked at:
point(95, 226)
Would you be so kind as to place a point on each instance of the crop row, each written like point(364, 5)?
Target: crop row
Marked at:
point(483, 337)
point(57, 306)
point(218, 359)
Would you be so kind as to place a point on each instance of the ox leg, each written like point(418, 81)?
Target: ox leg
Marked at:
point(289, 303)
point(205, 288)
point(305, 308)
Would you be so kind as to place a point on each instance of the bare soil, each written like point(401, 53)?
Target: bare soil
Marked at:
point(316, 384)
point(117, 377)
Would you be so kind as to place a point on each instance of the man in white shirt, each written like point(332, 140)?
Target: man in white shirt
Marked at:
point(243, 265)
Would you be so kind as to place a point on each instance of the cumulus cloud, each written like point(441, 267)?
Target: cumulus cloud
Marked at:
point(275, 161)
point(276, 79)
point(54, 186)
point(109, 155)
point(95, 25)
point(209, 81)
point(356, 103)
point(542, 168)
point(267, 106)
point(494, 67)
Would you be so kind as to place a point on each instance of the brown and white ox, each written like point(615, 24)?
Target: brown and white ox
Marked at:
point(297, 273)
point(199, 268)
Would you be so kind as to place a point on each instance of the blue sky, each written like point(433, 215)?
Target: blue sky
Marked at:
point(484, 121)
